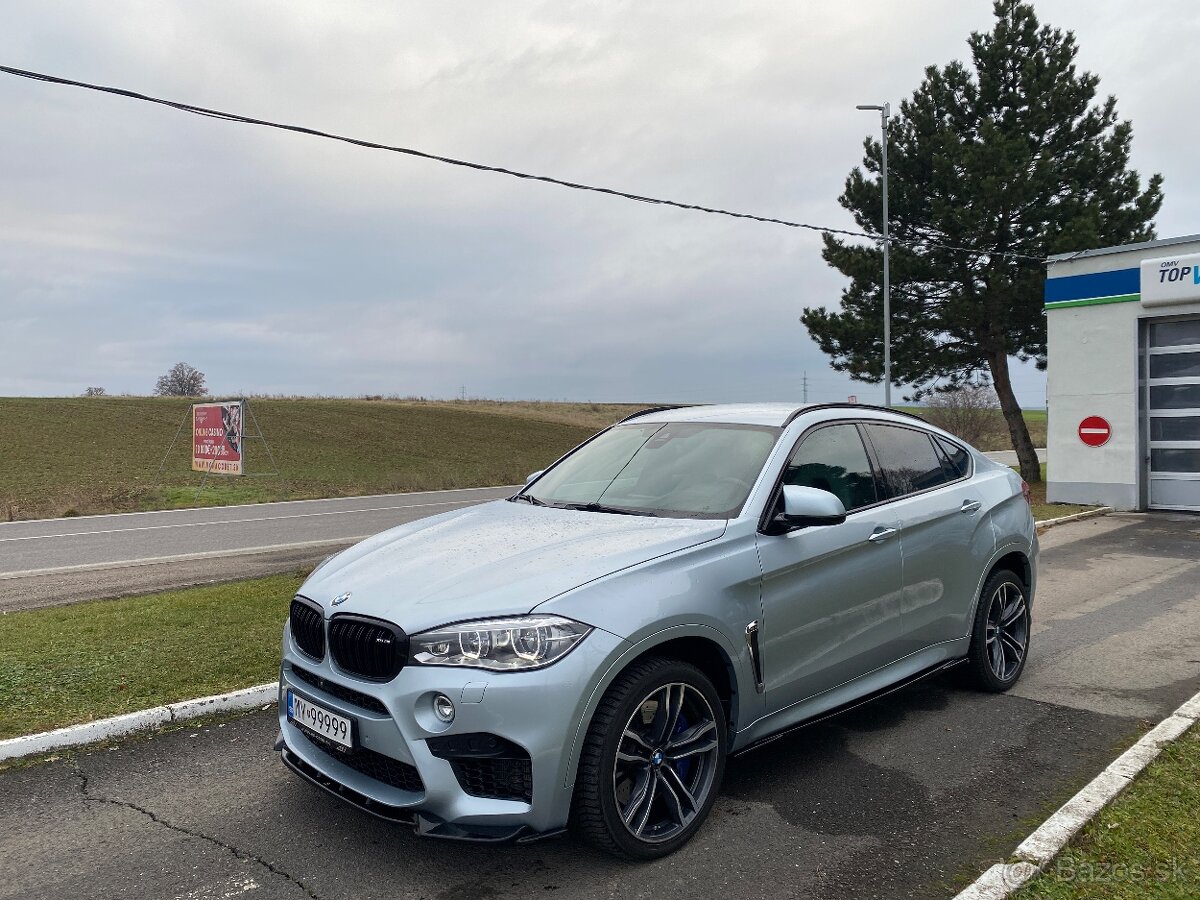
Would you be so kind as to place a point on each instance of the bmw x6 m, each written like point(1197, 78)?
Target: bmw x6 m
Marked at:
point(682, 586)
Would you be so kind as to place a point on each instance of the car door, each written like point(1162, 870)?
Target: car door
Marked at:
point(830, 594)
point(944, 532)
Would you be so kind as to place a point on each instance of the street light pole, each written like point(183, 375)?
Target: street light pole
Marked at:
point(885, 113)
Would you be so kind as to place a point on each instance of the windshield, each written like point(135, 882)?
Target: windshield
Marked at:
point(678, 470)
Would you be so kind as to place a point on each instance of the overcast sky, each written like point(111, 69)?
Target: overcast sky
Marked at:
point(133, 236)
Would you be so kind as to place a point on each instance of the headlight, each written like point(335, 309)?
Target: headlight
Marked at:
point(502, 645)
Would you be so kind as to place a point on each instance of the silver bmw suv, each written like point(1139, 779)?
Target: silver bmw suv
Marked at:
point(684, 585)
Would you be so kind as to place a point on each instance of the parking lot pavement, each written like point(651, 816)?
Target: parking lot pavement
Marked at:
point(910, 796)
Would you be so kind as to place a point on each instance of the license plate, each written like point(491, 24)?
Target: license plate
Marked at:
point(307, 714)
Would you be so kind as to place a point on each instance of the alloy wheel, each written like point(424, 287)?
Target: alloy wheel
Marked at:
point(1007, 635)
point(665, 763)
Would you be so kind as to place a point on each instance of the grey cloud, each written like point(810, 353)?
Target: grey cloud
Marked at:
point(139, 236)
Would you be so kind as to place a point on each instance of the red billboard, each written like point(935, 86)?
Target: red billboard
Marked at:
point(217, 437)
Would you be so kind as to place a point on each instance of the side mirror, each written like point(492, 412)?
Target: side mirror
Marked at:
point(804, 507)
point(534, 476)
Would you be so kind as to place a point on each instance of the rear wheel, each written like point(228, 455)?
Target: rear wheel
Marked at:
point(652, 761)
point(1000, 639)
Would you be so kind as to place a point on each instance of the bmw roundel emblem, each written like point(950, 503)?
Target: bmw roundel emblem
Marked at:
point(341, 598)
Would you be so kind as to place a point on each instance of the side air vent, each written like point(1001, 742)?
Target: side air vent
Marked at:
point(487, 765)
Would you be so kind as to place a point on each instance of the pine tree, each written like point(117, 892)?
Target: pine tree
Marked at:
point(1010, 156)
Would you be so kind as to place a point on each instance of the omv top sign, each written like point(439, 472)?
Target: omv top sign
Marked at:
point(1173, 279)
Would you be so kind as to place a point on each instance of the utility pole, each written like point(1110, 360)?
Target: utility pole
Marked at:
point(885, 113)
point(806, 387)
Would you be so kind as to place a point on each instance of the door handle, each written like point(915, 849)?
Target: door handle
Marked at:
point(970, 506)
point(881, 534)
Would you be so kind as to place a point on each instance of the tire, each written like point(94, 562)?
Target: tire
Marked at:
point(1000, 635)
point(629, 769)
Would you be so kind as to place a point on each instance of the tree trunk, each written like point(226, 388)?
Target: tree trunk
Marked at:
point(1031, 469)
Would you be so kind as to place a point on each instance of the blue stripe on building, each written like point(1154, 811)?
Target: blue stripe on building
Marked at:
point(1116, 283)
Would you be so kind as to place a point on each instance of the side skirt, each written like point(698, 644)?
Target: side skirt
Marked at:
point(853, 704)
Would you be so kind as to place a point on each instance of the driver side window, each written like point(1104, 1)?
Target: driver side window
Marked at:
point(833, 459)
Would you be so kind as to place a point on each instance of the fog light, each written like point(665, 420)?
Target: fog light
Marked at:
point(443, 708)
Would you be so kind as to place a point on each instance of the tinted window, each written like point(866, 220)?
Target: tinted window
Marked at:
point(1175, 334)
point(833, 459)
point(1175, 396)
point(956, 456)
point(908, 459)
point(1175, 365)
point(1175, 428)
point(1175, 460)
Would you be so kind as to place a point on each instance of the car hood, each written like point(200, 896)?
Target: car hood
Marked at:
point(495, 559)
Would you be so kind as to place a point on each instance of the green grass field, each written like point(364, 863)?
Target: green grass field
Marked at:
point(997, 437)
point(74, 456)
point(88, 661)
point(82, 456)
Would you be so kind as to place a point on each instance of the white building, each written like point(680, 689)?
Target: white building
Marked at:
point(1123, 332)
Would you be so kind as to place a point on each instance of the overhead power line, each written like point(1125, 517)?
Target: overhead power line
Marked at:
point(481, 167)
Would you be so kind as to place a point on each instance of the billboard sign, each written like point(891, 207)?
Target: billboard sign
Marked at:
point(217, 437)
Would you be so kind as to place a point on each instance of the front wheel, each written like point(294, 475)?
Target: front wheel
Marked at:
point(652, 761)
point(1000, 639)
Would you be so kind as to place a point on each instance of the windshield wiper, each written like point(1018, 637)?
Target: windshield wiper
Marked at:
point(601, 508)
point(527, 498)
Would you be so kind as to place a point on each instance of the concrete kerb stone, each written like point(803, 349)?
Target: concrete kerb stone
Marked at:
point(1075, 517)
point(1054, 834)
point(999, 881)
point(131, 723)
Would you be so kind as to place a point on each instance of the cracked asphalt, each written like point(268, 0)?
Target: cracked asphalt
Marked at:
point(909, 797)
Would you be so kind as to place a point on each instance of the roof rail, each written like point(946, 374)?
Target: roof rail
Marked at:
point(844, 404)
point(648, 410)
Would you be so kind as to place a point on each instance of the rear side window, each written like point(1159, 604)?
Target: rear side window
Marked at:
point(908, 458)
point(956, 456)
point(833, 459)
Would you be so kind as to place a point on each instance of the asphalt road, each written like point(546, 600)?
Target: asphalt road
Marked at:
point(53, 561)
point(908, 797)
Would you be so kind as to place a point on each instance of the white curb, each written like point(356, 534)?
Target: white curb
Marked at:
point(1036, 851)
point(118, 726)
point(1074, 517)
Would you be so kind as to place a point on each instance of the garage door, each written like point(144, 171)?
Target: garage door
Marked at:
point(1173, 407)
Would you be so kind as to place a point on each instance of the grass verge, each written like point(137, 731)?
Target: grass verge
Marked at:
point(73, 664)
point(75, 456)
point(1146, 844)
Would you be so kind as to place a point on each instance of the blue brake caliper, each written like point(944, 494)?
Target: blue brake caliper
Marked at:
point(682, 766)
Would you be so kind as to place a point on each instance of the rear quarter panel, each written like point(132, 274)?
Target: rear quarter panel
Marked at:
point(1011, 520)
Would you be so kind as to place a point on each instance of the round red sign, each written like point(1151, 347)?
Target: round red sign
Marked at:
point(1095, 431)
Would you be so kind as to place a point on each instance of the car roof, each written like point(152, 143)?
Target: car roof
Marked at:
point(774, 414)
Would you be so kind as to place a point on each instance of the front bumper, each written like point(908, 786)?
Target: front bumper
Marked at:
point(540, 711)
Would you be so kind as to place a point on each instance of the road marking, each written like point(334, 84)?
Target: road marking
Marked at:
point(184, 557)
point(332, 512)
point(192, 509)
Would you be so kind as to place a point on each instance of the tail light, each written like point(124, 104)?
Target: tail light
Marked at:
point(1025, 492)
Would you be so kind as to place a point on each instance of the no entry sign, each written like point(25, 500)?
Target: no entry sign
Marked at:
point(1095, 431)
